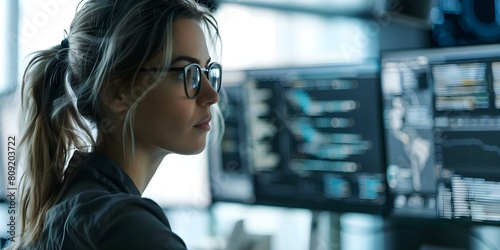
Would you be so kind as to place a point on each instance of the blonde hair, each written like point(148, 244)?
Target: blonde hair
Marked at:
point(108, 39)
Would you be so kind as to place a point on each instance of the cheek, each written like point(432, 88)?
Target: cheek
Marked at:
point(175, 115)
point(164, 111)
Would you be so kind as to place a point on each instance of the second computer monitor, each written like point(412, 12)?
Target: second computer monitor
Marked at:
point(442, 123)
point(310, 137)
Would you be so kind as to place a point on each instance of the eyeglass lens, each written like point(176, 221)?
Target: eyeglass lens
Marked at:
point(193, 78)
point(214, 75)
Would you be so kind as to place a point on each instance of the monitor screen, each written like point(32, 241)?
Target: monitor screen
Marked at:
point(229, 171)
point(442, 127)
point(311, 137)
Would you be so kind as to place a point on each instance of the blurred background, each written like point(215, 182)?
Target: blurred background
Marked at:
point(350, 124)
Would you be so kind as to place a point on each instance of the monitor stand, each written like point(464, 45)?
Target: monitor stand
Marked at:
point(325, 231)
point(242, 240)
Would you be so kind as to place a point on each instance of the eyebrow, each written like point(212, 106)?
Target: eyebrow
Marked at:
point(188, 59)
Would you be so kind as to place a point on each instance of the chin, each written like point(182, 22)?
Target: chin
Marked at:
point(191, 151)
point(198, 151)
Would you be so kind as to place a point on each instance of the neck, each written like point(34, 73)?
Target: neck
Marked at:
point(140, 166)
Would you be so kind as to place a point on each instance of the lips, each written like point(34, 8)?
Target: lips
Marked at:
point(204, 124)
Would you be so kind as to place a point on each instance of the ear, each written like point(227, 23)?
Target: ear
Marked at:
point(112, 96)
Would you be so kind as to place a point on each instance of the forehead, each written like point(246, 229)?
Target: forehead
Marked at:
point(189, 40)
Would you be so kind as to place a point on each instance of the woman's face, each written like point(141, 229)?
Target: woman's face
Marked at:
point(166, 119)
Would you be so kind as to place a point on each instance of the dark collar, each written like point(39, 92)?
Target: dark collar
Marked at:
point(96, 167)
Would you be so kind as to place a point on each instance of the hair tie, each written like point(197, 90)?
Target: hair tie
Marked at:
point(65, 43)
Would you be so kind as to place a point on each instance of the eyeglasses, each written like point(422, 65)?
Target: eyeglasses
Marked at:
point(192, 77)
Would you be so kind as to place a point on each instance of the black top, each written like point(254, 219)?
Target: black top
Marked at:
point(103, 209)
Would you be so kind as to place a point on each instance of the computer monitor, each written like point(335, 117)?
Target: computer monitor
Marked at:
point(442, 128)
point(229, 171)
point(310, 137)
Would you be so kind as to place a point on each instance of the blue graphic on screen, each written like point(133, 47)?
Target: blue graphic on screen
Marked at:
point(315, 137)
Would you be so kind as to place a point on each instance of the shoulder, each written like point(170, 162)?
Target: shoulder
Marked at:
point(121, 221)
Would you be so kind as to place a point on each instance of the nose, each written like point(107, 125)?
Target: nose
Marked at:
point(208, 95)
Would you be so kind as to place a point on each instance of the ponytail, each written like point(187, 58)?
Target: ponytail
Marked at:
point(51, 126)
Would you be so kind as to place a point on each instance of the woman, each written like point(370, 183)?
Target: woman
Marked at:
point(132, 82)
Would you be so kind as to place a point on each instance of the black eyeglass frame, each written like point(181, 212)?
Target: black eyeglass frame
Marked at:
point(205, 71)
